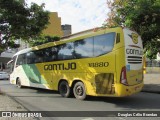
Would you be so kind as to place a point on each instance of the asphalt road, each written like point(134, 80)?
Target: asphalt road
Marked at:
point(44, 100)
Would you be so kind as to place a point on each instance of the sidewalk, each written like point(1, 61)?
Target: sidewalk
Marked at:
point(151, 84)
point(8, 104)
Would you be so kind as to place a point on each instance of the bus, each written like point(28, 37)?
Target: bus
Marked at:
point(95, 62)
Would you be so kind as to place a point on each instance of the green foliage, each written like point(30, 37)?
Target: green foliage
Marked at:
point(44, 39)
point(142, 16)
point(17, 20)
point(151, 49)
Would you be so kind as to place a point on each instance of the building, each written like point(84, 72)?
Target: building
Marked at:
point(4, 58)
point(67, 29)
point(54, 28)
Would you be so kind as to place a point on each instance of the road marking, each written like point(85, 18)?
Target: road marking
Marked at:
point(88, 119)
point(121, 118)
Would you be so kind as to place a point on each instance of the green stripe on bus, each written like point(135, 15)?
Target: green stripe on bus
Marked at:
point(33, 74)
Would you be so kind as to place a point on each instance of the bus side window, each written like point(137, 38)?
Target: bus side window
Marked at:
point(65, 51)
point(104, 43)
point(83, 48)
point(48, 54)
point(118, 38)
point(54, 55)
point(30, 58)
point(38, 56)
point(20, 60)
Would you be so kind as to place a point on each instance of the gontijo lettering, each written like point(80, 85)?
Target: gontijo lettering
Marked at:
point(134, 51)
point(61, 66)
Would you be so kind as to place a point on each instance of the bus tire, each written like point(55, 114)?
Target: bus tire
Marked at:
point(18, 83)
point(64, 89)
point(79, 91)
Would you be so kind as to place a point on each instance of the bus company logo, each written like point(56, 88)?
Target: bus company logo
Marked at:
point(134, 38)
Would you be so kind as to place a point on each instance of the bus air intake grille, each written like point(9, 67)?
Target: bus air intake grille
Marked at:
point(104, 83)
point(134, 59)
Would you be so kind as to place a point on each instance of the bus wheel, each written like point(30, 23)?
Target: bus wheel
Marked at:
point(64, 89)
point(79, 91)
point(18, 83)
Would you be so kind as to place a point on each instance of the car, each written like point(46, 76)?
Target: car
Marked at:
point(4, 75)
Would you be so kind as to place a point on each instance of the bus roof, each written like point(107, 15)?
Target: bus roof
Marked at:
point(85, 32)
point(22, 51)
point(72, 36)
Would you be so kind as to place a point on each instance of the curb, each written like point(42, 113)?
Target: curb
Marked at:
point(1, 93)
point(16, 105)
point(147, 91)
point(151, 88)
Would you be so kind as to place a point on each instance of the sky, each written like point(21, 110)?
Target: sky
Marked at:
point(81, 14)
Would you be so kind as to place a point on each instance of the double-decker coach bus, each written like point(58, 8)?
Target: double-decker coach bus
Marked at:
point(101, 62)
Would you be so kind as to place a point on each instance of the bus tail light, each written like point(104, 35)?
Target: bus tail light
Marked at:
point(123, 78)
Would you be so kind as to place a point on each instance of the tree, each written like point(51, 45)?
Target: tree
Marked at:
point(44, 39)
point(142, 16)
point(17, 20)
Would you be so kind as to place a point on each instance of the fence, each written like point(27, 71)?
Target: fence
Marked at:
point(152, 66)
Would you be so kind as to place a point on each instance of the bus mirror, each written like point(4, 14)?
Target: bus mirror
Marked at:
point(17, 66)
point(9, 62)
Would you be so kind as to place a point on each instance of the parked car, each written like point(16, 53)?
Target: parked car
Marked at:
point(4, 75)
